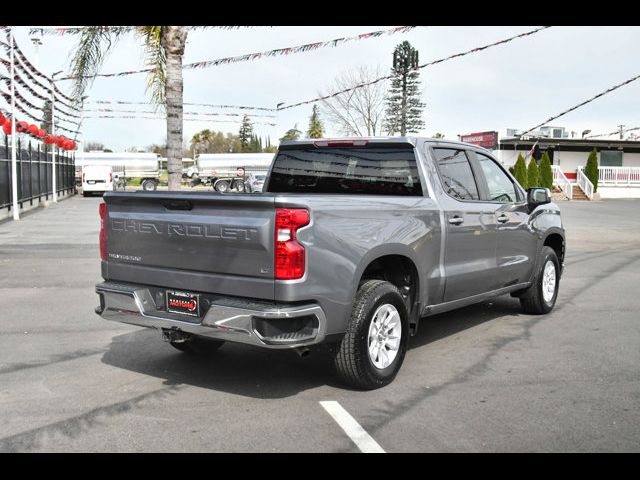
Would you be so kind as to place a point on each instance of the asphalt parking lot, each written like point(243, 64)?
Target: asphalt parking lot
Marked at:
point(484, 378)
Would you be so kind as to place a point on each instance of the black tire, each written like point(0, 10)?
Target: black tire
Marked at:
point(149, 185)
point(85, 194)
point(222, 186)
point(532, 300)
point(239, 184)
point(202, 347)
point(353, 365)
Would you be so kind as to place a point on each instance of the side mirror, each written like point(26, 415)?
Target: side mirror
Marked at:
point(538, 196)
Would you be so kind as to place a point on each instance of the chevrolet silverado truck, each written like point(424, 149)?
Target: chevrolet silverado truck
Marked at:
point(353, 242)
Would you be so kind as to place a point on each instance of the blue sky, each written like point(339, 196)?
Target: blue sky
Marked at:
point(517, 85)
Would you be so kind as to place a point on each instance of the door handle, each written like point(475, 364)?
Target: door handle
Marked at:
point(503, 218)
point(456, 220)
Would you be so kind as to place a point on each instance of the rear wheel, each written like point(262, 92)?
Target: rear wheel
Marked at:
point(239, 185)
point(149, 185)
point(198, 346)
point(222, 186)
point(373, 349)
point(541, 296)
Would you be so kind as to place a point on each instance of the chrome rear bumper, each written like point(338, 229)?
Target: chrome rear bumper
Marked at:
point(225, 319)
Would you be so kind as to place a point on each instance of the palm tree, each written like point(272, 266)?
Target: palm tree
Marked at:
point(164, 48)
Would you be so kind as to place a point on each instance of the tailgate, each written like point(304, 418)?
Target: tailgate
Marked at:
point(199, 232)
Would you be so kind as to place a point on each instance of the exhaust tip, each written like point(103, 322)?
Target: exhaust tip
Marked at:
point(303, 352)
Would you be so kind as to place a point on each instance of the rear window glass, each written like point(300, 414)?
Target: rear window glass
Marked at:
point(366, 171)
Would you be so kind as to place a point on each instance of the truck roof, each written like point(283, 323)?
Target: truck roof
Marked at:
point(413, 140)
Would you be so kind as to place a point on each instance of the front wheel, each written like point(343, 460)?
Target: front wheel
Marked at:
point(541, 296)
point(373, 348)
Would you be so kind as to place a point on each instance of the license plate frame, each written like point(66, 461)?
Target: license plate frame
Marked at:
point(183, 303)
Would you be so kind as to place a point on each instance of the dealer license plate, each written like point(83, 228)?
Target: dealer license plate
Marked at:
point(183, 302)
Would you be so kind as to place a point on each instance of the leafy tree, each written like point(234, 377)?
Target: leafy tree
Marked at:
point(520, 172)
point(591, 170)
point(404, 108)
point(438, 135)
point(164, 49)
point(292, 134)
point(93, 146)
point(546, 173)
point(533, 174)
point(316, 129)
point(246, 133)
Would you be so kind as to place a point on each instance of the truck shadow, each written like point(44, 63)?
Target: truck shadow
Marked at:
point(257, 373)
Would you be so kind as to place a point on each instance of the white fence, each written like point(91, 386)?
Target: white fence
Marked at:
point(585, 184)
point(619, 176)
point(560, 179)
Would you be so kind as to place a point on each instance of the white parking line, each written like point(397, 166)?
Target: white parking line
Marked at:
point(354, 431)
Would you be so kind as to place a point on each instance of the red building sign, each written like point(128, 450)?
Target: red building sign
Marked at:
point(483, 139)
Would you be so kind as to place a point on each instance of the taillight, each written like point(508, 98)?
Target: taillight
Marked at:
point(103, 231)
point(289, 253)
point(83, 176)
point(110, 177)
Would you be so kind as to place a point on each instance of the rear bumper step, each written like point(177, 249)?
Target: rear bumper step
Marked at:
point(256, 323)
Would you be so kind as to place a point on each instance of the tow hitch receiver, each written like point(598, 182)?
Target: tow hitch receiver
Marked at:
point(174, 335)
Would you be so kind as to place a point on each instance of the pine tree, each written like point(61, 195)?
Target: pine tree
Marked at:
point(533, 174)
point(404, 108)
point(316, 129)
point(591, 169)
point(546, 173)
point(46, 116)
point(245, 133)
point(292, 134)
point(520, 171)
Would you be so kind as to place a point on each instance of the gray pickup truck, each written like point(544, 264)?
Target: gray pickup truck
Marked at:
point(353, 242)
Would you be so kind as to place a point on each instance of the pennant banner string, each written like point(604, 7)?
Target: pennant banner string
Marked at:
point(434, 62)
point(210, 114)
point(239, 107)
point(269, 53)
point(608, 90)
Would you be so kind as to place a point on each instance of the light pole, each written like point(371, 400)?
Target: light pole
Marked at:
point(79, 130)
point(36, 43)
point(53, 130)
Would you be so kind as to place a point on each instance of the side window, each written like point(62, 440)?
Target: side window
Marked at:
point(501, 188)
point(456, 174)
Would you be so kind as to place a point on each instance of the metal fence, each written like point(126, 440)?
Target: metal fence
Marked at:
point(35, 170)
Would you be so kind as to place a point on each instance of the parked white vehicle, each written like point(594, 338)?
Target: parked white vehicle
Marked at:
point(96, 178)
point(144, 166)
point(228, 171)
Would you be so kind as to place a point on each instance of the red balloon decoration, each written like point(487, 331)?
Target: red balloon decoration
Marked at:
point(72, 145)
point(33, 129)
point(22, 127)
point(49, 139)
point(2, 119)
point(60, 141)
point(41, 132)
point(6, 128)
